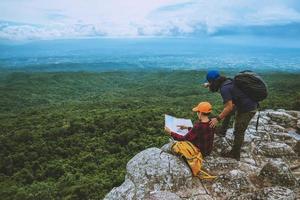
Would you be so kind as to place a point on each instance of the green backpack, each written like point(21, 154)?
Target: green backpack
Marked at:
point(252, 85)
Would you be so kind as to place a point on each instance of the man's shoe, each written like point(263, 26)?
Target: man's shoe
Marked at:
point(231, 154)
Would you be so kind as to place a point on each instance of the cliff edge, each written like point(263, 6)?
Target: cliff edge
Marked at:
point(269, 167)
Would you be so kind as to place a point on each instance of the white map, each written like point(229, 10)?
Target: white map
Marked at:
point(172, 123)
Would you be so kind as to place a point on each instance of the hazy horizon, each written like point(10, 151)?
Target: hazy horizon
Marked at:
point(99, 35)
point(150, 53)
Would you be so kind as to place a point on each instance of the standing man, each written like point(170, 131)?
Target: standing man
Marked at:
point(235, 103)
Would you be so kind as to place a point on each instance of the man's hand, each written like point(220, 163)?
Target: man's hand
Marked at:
point(168, 131)
point(213, 122)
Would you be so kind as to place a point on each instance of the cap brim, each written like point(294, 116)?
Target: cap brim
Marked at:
point(195, 109)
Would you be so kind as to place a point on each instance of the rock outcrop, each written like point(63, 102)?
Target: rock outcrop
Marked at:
point(269, 167)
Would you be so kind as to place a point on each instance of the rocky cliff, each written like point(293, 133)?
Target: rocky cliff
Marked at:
point(269, 167)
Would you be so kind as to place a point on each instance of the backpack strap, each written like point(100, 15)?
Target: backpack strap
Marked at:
point(227, 81)
point(205, 175)
point(257, 121)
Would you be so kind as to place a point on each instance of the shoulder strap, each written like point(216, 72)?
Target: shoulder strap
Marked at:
point(227, 81)
point(258, 116)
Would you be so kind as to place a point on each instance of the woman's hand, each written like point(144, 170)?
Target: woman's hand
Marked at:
point(182, 127)
point(213, 122)
point(168, 131)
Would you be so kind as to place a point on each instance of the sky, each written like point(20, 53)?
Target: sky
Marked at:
point(60, 19)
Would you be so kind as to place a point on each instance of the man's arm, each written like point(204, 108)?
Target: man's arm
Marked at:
point(228, 107)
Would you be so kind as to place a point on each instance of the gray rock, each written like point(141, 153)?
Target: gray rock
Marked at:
point(166, 195)
point(153, 173)
point(126, 191)
point(272, 193)
point(197, 191)
point(219, 165)
point(268, 193)
point(231, 184)
point(282, 118)
point(154, 170)
point(294, 113)
point(284, 137)
point(275, 150)
point(167, 147)
point(221, 144)
point(278, 173)
point(248, 165)
point(273, 128)
point(281, 136)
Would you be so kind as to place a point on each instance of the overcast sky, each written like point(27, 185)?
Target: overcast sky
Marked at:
point(51, 19)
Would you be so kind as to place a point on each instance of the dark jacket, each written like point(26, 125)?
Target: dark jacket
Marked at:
point(242, 102)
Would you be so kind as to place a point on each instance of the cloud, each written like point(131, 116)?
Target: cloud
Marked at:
point(41, 19)
point(214, 14)
point(57, 31)
point(56, 16)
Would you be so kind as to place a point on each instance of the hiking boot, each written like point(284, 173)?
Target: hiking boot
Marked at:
point(231, 154)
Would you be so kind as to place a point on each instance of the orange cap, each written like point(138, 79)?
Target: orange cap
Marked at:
point(204, 107)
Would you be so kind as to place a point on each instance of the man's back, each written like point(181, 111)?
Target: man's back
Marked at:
point(240, 99)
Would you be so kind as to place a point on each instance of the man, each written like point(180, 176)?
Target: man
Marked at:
point(235, 103)
point(201, 134)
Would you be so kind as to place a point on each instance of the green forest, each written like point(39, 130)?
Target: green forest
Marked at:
point(69, 135)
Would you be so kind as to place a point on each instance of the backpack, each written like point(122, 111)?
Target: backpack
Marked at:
point(193, 157)
point(252, 85)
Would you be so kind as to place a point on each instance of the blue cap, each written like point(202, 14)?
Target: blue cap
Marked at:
point(212, 75)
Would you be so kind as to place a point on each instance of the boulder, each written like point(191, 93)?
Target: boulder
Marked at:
point(167, 147)
point(282, 118)
point(231, 183)
point(278, 173)
point(219, 165)
point(294, 113)
point(221, 144)
point(260, 135)
point(275, 150)
point(154, 170)
point(126, 191)
point(273, 128)
point(166, 195)
point(153, 173)
point(278, 193)
point(287, 138)
point(281, 136)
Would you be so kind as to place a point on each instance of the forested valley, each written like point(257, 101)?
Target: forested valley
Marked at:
point(69, 135)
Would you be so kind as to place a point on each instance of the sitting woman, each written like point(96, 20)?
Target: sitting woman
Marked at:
point(201, 134)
